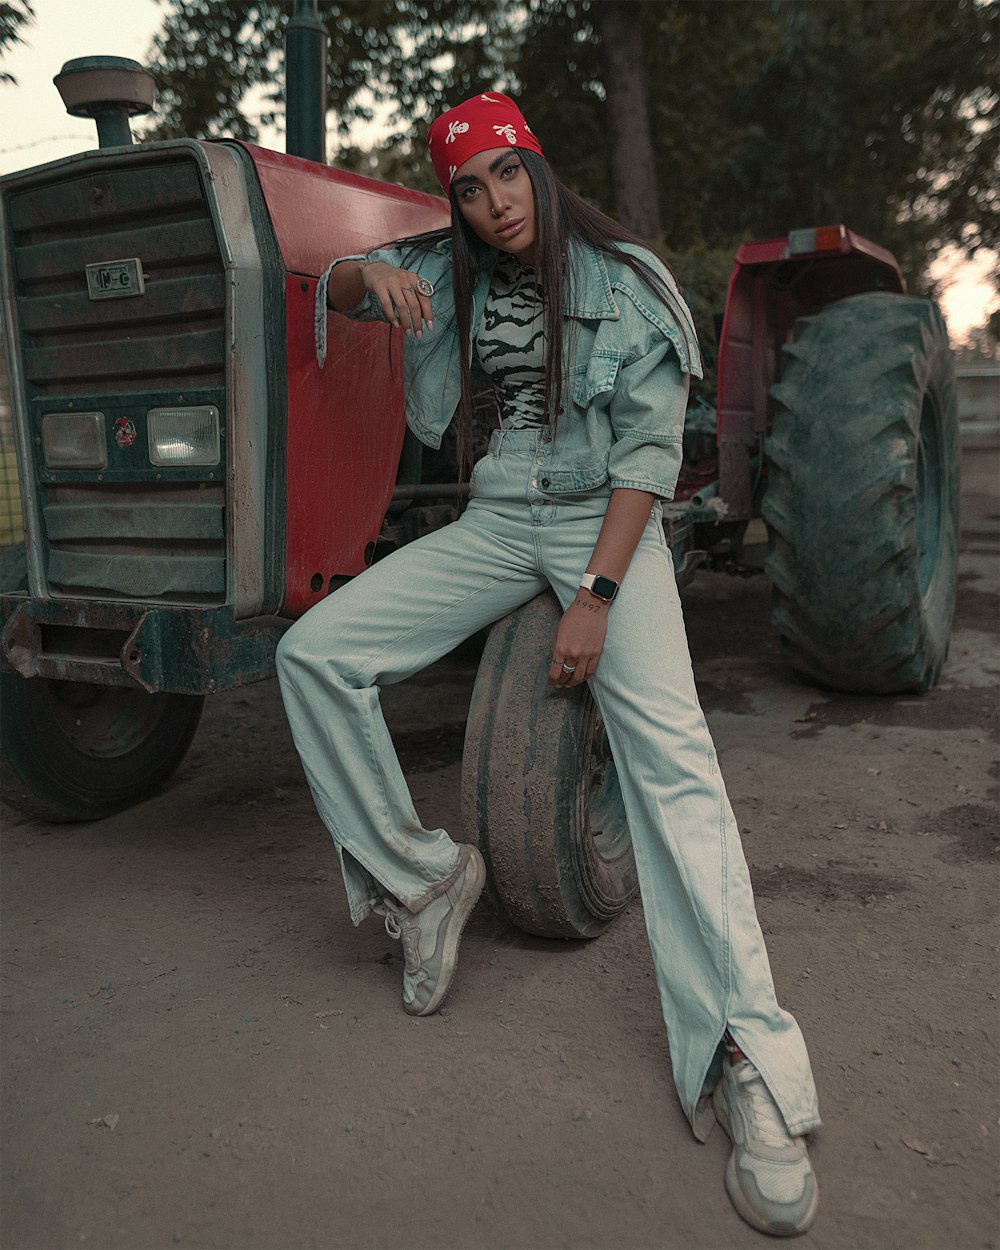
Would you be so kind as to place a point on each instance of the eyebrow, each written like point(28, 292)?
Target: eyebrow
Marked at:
point(494, 166)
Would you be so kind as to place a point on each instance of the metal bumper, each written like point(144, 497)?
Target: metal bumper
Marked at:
point(174, 650)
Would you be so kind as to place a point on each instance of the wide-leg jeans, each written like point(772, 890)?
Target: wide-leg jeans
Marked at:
point(411, 608)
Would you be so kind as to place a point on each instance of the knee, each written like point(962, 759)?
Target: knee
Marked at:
point(292, 653)
point(305, 650)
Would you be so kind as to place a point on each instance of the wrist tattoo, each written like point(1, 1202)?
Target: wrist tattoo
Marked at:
point(589, 605)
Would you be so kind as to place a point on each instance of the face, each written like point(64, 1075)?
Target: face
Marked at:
point(495, 197)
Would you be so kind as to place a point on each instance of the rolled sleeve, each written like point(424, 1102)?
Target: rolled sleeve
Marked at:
point(369, 309)
point(647, 421)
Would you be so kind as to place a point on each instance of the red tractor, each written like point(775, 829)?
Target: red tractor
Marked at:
point(191, 481)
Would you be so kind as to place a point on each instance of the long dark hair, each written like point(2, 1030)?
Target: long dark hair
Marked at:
point(560, 215)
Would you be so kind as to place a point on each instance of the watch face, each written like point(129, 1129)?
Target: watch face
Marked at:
point(604, 587)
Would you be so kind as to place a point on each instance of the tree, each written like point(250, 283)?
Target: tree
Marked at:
point(14, 14)
point(763, 115)
point(415, 54)
point(632, 167)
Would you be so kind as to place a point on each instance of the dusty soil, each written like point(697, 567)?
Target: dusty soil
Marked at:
point(199, 1050)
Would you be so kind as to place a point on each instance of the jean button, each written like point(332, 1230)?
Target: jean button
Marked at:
point(546, 483)
point(533, 482)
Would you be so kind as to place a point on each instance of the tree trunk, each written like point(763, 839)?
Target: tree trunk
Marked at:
point(630, 143)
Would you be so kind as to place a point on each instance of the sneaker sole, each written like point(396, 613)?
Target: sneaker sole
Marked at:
point(475, 880)
point(737, 1196)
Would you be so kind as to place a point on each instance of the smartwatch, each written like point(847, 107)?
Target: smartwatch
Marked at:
point(603, 587)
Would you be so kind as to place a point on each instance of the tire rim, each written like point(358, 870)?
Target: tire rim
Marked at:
point(930, 497)
point(100, 721)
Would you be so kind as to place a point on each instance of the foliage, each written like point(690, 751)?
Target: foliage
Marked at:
point(766, 114)
point(14, 14)
point(415, 54)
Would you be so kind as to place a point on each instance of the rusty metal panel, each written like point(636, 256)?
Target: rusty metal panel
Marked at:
point(320, 212)
point(162, 542)
point(345, 433)
point(125, 520)
point(153, 358)
point(138, 576)
point(104, 196)
point(159, 245)
point(173, 650)
point(71, 314)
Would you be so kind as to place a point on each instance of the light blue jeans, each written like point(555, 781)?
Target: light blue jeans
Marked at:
point(419, 603)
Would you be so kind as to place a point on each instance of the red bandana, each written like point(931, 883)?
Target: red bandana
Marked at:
point(476, 125)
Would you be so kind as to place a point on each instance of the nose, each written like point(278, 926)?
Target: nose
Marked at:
point(498, 201)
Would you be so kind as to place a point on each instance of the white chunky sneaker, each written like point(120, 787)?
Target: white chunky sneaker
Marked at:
point(431, 936)
point(769, 1177)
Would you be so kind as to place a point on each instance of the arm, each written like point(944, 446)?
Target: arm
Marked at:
point(395, 290)
point(647, 419)
point(580, 635)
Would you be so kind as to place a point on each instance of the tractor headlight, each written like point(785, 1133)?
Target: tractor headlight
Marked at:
point(74, 440)
point(184, 437)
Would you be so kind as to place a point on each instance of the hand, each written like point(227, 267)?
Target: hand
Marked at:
point(579, 640)
point(396, 290)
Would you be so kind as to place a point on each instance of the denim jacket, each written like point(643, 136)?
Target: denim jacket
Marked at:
point(625, 381)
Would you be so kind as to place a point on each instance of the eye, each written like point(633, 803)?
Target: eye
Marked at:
point(510, 169)
point(467, 193)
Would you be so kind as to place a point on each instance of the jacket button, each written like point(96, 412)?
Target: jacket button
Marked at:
point(546, 483)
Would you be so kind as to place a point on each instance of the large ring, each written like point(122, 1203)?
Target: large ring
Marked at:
point(425, 287)
point(569, 668)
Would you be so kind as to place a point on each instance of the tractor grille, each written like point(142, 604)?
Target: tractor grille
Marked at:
point(165, 544)
point(173, 334)
point(145, 539)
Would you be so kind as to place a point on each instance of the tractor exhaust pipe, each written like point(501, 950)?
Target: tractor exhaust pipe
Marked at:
point(110, 89)
point(305, 83)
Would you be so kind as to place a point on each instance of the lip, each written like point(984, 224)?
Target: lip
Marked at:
point(510, 229)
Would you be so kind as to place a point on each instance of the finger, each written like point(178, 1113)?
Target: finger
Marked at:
point(384, 297)
point(577, 678)
point(566, 670)
point(426, 311)
point(410, 310)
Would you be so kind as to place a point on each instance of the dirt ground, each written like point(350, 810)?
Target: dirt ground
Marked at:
point(200, 1051)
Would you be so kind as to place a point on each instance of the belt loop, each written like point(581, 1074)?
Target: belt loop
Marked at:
point(499, 436)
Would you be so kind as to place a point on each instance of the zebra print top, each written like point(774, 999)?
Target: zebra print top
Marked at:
point(510, 345)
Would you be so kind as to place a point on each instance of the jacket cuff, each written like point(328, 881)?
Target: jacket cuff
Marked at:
point(363, 310)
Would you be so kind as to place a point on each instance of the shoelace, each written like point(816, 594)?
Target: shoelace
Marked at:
point(398, 932)
point(767, 1122)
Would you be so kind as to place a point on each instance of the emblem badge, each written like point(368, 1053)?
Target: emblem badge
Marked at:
point(115, 279)
point(125, 432)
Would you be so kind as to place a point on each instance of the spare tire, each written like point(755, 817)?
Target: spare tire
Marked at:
point(862, 495)
point(540, 793)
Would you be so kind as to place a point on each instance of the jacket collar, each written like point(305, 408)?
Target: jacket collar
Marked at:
point(588, 289)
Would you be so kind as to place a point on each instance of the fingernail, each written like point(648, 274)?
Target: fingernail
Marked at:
point(430, 325)
point(420, 334)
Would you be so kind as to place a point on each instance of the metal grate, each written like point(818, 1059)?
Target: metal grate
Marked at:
point(110, 536)
point(11, 520)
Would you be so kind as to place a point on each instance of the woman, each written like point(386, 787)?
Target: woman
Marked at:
point(589, 349)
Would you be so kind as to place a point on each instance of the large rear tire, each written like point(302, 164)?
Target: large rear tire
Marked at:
point(862, 495)
point(75, 751)
point(540, 792)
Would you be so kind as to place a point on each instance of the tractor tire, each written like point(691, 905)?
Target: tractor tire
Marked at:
point(540, 792)
point(76, 751)
point(862, 496)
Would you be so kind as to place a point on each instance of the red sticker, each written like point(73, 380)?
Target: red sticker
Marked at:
point(125, 433)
